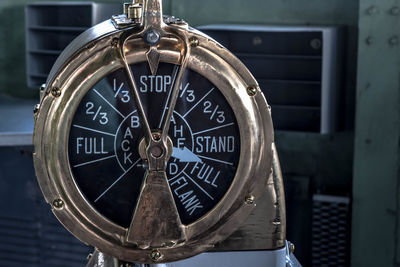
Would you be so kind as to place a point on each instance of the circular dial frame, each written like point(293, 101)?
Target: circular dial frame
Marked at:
point(97, 56)
point(106, 131)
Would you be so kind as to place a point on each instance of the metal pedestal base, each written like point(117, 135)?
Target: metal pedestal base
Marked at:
point(274, 258)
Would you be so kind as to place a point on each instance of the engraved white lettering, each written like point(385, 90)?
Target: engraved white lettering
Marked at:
point(90, 146)
point(154, 84)
point(205, 173)
point(173, 168)
point(213, 144)
point(188, 199)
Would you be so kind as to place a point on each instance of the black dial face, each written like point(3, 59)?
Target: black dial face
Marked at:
point(106, 131)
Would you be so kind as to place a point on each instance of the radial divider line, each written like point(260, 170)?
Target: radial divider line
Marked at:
point(130, 114)
point(93, 130)
point(105, 100)
point(201, 188)
point(175, 72)
point(216, 160)
point(201, 100)
point(94, 161)
point(122, 176)
point(177, 86)
point(212, 129)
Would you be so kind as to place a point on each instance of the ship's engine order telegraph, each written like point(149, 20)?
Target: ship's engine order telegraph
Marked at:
point(153, 142)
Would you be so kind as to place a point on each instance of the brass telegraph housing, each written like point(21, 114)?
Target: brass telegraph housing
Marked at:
point(156, 233)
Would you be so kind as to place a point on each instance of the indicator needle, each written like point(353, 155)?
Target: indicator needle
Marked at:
point(185, 155)
point(175, 89)
point(135, 93)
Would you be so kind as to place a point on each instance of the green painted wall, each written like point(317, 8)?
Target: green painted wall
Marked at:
point(12, 48)
point(261, 11)
point(376, 165)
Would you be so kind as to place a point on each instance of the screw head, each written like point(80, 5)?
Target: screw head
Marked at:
point(372, 10)
point(369, 40)
point(156, 136)
point(250, 200)
point(152, 37)
point(394, 40)
point(36, 108)
point(395, 11)
point(90, 45)
point(291, 248)
point(56, 92)
point(58, 204)
point(89, 256)
point(155, 255)
point(257, 40)
point(194, 42)
point(114, 42)
point(156, 151)
point(251, 91)
point(316, 43)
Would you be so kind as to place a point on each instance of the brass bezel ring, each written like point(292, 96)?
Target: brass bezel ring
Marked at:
point(79, 69)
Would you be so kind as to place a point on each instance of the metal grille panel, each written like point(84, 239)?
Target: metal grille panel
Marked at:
point(330, 231)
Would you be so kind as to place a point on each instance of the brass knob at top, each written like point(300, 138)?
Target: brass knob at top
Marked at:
point(135, 11)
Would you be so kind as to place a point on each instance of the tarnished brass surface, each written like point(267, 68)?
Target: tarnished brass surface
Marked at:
point(106, 48)
point(261, 231)
point(156, 222)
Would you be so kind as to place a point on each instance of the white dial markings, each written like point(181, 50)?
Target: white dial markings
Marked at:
point(93, 130)
point(105, 100)
point(204, 97)
point(119, 88)
point(175, 72)
point(122, 176)
point(94, 161)
point(215, 128)
point(216, 160)
point(201, 188)
point(185, 155)
point(184, 90)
